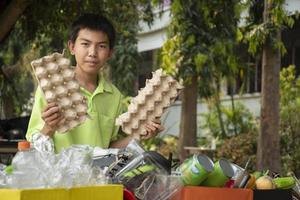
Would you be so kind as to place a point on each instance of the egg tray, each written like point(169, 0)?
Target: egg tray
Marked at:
point(57, 80)
point(157, 95)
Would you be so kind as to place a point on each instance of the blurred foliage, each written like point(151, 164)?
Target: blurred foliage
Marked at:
point(15, 81)
point(290, 120)
point(236, 121)
point(163, 145)
point(259, 32)
point(43, 29)
point(239, 149)
point(201, 41)
point(256, 10)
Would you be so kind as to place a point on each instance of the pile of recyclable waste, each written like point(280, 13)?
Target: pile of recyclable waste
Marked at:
point(146, 174)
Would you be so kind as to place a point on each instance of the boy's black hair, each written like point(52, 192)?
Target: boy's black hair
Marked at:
point(93, 22)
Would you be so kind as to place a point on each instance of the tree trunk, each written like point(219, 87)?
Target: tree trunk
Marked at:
point(188, 125)
point(10, 15)
point(268, 150)
point(218, 106)
point(233, 114)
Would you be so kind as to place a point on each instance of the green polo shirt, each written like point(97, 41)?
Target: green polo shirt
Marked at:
point(104, 105)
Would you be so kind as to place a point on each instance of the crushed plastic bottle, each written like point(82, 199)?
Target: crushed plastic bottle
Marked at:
point(25, 166)
point(32, 168)
point(2, 176)
point(42, 143)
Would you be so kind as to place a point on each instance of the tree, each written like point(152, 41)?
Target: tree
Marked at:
point(265, 38)
point(199, 50)
point(268, 151)
point(10, 14)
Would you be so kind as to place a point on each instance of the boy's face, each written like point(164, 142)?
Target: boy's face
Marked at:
point(91, 50)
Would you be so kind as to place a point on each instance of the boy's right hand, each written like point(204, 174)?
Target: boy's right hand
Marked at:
point(52, 117)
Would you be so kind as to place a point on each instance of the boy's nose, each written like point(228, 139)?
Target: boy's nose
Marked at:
point(92, 51)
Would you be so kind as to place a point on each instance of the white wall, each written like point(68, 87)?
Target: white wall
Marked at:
point(171, 118)
point(153, 37)
point(292, 5)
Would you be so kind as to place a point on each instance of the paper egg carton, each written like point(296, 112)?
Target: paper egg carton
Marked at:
point(57, 81)
point(158, 94)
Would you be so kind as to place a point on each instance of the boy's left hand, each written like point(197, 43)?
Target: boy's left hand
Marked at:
point(152, 129)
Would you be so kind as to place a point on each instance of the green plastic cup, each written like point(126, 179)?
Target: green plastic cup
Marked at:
point(196, 169)
point(222, 172)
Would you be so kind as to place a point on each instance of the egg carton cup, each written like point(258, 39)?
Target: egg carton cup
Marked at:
point(150, 103)
point(57, 80)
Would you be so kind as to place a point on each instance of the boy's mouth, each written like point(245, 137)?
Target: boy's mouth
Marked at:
point(91, 62)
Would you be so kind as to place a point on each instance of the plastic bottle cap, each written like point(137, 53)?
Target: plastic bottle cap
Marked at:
point(23, 145)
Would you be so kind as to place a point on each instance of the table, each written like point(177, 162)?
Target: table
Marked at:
point(7, 151)
point(199, 150)
point(209, 193)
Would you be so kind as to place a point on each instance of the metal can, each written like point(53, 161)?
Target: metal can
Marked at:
point(194, 170)
point(222, 172)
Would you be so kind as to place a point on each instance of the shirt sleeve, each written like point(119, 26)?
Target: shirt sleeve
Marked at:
point(36, 122)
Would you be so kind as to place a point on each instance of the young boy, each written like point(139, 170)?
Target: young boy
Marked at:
point(91, 41)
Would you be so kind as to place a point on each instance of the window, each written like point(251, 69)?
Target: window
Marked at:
point(147, 65)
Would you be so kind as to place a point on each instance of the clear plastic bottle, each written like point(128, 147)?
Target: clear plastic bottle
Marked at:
point(25, 164)
point(24, 155)
point(2, 176)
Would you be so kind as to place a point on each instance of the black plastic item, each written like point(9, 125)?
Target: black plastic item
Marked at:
point(104, 161)
point(272, 194)
point(14, 128)
point(115, 167)
point(162, 161)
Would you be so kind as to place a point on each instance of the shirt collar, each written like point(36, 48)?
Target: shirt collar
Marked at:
point(103, 86)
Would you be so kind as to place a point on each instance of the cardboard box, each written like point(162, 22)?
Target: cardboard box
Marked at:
point(211, 193)
point(104, 192)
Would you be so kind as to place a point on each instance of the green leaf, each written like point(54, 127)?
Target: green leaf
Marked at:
point(200, 59)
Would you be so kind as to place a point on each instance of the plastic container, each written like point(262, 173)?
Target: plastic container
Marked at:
point(163, 187)
point(134, 148)
point(147, 178)
point(2, 179)
point(25, 165)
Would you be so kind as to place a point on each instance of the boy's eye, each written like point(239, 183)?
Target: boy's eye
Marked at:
point(102, 46)
point(84, 44)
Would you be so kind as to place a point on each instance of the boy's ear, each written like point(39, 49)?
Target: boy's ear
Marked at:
point(71, 47)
